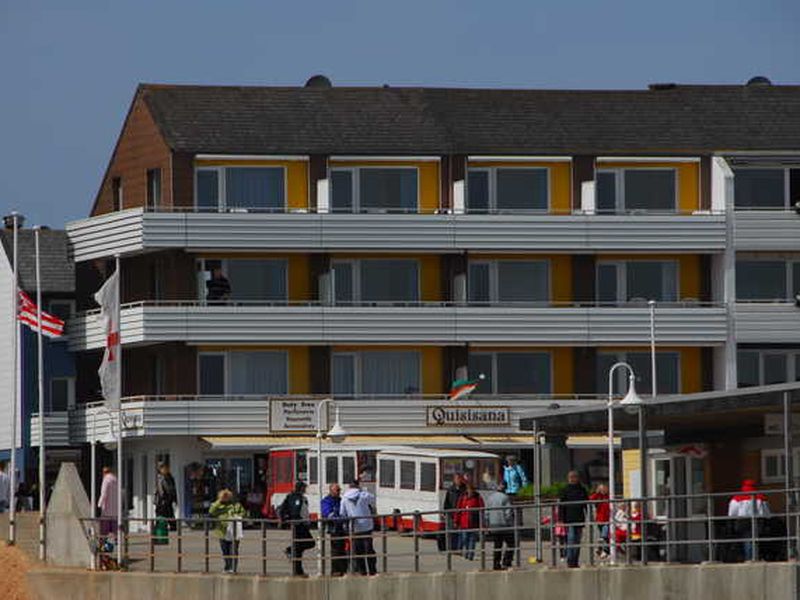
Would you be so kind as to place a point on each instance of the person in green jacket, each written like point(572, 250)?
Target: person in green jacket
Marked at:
point(228, 527)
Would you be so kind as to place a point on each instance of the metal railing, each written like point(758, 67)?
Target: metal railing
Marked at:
point(690, 528)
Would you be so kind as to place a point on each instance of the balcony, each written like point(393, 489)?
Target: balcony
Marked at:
point(56, 429)
point(136, 230)
point(767, 323)
point(777, 229)
point(417, 415)
point(439, 323)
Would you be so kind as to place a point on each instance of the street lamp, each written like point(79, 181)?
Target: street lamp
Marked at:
point(631, 399)
point(337, 435)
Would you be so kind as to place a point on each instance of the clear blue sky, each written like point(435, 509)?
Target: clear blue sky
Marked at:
point(69, 68)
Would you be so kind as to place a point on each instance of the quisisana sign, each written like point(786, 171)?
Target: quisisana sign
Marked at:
point(474, 416)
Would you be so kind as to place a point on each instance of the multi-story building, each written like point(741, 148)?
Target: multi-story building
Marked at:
point(380, 242)
point(58, 298)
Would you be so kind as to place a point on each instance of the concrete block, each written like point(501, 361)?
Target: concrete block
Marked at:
point(67, 544)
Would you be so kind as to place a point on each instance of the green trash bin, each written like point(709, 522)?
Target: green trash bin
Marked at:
point(161, 532)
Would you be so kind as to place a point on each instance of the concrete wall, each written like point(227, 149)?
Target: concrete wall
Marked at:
point(764, 581)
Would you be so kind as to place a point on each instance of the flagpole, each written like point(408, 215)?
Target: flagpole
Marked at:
point(118, 320)
point(12, 509)
point(42, 482)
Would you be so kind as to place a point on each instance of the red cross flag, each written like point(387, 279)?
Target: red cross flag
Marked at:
point(52, 327)
point(108, 299)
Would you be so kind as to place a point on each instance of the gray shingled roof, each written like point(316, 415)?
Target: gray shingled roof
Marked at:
point(58, 271)
point(340, 120)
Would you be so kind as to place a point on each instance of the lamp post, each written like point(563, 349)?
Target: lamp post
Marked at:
point(337, 435)
point(631, 398)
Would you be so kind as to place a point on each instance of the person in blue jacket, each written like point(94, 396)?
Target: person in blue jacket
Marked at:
point(335, 527)
point(514, 476)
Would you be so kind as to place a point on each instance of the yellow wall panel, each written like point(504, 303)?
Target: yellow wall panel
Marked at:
point(563, 368)
point(299, 278)
point(432, 370)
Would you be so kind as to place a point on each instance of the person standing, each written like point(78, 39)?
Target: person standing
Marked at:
point(218, 288)
point(602, 512)
point(359, 507)
point(5, 488)
point(514, 476)
point(107, 503)
point(469, 519)
point(228, 527)
point(330, 508)
point(744, 507)
point(449, 505)
point(294, 511)
point(166, 495)
point(500, 521)
point(572, 511)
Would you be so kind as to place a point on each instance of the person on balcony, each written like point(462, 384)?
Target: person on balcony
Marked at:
point(218, 288)
point(746, 507)
point(228, 527)
point(514, 476)
point(468, 519)
point(572, 510)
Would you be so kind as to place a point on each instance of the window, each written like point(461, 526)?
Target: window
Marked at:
point(667, 372)
point(243, 373)
point(153, 188)
point(626, 281)
point(376, 373)
point(62, 394)
point(332, 469)
point(773, 465)
point(621, 190)
point(763, 367)
point(511, 189)
point(512, 372)
point(348, 469)
point(760, 188)
point(509, 281)
point(374, 189)
point(776, 280)
point(376, 280)
point(312, 469)
point(386, 473)
point(116, 193)
point(427, 477)
point(408, 475)
point(250, 280)
point(240, 188)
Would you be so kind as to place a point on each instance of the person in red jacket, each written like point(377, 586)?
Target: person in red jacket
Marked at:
point(468, 519)
point(602, 512)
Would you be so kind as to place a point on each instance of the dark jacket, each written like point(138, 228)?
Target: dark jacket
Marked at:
point(218, 288)
point(451, 497)
point(573, 513)
point(166, 493)
point(294, 507)
point(329, 508)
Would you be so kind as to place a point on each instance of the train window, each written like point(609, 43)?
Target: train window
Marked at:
point(487, 471)
point(427, 477)
point(332, 469)
point(366, 466)
point(283, 469)
point(348, 469)
point(408, 475)
point(387, 474)
point(301, 467)
point(312, 469)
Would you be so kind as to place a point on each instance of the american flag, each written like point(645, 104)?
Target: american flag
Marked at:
point(51, 326)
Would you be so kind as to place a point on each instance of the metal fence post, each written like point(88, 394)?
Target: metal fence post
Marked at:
point(592, 523)
point(448, 550)
point(630, 545)
point(482, 534)
point(517, 539)
point(416, 541)
point(205, 546)
point(753, 531)
point(152, 543)
point(384, 547)
point(125, 545)
point(179, 532)
point(264, 548)
point(553, 549)
point(322, 555)
point(710, 515)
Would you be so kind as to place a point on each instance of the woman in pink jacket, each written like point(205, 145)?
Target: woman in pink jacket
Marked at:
point(107, 503)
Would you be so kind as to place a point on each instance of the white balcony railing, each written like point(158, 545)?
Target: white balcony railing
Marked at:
point(767, 323)
point(136, 230)
point(437, 323)
point(777, 230)
point(56, 429)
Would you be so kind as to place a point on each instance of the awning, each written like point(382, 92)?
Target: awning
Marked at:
point(265, 442)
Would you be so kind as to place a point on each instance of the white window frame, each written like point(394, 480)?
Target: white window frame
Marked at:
point(493, 376)
point(494, 278)
point(226, 367)
point(492, 180)
point(358, 356)
point(222, 198)
point(619, 189)
point(202, 270)
point(622, 277)
point(355, 172)
point(70, 391)
point(787, 189)
point(788, 266)
point(621, 375)
point(779, 454)
point(356, 264)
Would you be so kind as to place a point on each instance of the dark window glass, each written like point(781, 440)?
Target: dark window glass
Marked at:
point(607, 292)
point(212, 374)
point(312, 469)
point(388, 280)
point(775, 369)
point(390, 372)
point(207, 189)
point(343, 373)
point(386, 473)
point(522, 189)
point(481, 364)
point(254, 187)
point(520, 281)
point(523, 373)
point(348, 469)
point(408, 475)
point(153, 188)
point(668, 376)
point(116, 193)
point(263, 280)
point(343, 282)
point(795, 279)
point(606, 192)
point(652, 280)
point(427, 477)
point(341, 191)
point(747, 368)
point(332, 470)
point(63, 309)
point(761, 280)
point(758, 188)
point(650, 189)
point(478, 284)
point(59, 394)
point(386, 189)
point(478, 191)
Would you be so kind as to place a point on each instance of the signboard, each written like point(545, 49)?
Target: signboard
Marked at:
point(293, 416)
point(468, 416)
point(773, 424)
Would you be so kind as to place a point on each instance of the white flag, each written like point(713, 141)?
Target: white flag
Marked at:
point(108, 299)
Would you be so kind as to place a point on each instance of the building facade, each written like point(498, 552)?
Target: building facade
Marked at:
point(378, 243)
